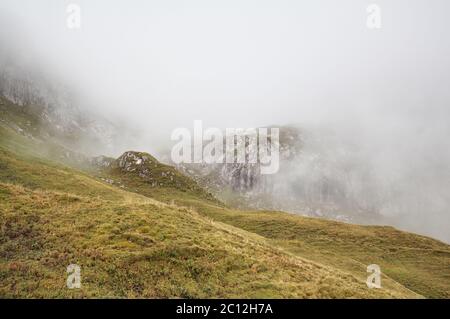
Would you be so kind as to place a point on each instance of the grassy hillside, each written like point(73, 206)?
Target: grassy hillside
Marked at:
point(419, 263)
point(129, 245)
point(136, 240)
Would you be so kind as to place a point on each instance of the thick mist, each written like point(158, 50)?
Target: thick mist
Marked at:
point(158, 65)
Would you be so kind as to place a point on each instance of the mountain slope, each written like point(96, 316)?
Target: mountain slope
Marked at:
point(420, 263)
point(131, 246)
point(173, 240)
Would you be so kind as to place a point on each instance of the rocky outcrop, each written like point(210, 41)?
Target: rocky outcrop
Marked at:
point(139, 169)
point(316, 178)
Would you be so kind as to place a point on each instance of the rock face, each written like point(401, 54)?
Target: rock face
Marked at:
point(243, 177)
point(101, 161)
point(316, 178)
point(57, 110)
point(247, 177)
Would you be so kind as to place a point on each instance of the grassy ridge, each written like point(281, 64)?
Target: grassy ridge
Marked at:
point(131, 246)
point(134, 240)
point(417, 262)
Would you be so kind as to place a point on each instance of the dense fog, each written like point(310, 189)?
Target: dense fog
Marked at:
point(377, 101)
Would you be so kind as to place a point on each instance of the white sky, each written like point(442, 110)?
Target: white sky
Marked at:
point(243, 63)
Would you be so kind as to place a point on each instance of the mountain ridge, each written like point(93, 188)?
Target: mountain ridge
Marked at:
point(169, 241)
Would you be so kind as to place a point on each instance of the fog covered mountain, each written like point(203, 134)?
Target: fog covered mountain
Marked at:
point(372, 146)
point(324, 174)
point(61, 114)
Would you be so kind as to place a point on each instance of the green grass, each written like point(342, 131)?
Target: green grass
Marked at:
point(419, 263)
point(131, 246)
point(133, 240)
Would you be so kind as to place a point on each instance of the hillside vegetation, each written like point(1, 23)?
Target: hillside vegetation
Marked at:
point(134, 237)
